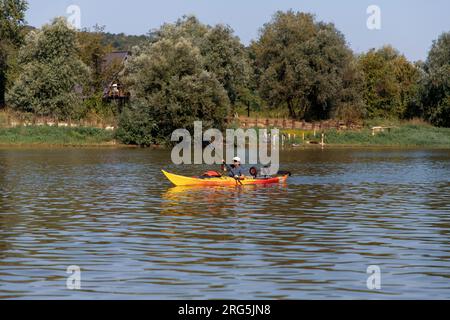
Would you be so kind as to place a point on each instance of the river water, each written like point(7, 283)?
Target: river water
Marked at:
point(112, 213)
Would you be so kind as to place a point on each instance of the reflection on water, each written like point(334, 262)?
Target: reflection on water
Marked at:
point(112, 213)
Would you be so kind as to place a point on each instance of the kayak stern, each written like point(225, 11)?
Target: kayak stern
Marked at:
point(178, 180)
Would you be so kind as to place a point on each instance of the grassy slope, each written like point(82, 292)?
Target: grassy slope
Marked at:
point(46, 135)
point(404, 136)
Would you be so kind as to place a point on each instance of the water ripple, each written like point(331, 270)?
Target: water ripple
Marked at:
point(134, 236)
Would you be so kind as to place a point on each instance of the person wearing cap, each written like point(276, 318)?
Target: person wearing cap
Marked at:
point(235, 170)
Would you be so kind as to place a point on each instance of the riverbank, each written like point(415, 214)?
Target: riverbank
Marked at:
point(56, 136)
point(405, 136)
point(401, 136)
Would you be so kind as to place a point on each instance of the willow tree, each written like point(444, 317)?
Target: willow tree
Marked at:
point(52, 74)
point(301, 64)
point(12, 20)
point(170, 89)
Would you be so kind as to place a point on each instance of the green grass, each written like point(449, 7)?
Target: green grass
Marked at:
point(47, 135)
point(404, 136)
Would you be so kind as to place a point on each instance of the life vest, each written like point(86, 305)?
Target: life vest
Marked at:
point(211, 174)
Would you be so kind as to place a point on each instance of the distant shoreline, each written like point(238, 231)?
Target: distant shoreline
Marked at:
point(289, 148)
point(403, 137)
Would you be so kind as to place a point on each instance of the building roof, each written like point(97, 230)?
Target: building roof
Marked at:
point(112, 57)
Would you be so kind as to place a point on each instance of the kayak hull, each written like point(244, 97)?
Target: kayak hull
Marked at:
point(222, 181)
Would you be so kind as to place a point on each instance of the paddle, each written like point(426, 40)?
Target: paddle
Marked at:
point(238, 180)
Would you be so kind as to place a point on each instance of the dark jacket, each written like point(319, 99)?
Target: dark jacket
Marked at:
point(233, 171)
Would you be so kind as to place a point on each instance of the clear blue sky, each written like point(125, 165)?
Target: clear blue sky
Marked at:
point(410, 26)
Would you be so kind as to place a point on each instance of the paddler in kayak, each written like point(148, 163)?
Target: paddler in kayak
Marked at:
point(235, 170)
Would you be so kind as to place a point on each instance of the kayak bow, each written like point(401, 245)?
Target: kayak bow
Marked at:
point(221, 181)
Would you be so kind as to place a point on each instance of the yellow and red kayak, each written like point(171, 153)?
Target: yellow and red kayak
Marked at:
point(220, 181)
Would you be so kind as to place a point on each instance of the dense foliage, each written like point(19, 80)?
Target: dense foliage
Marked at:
point(305, 66)
point(122, 42)
point(92, 52)
point(12, 19)
point(222, 52)
point(171, 89)
point(436, 93)
point(187, 71)
point(391, 83)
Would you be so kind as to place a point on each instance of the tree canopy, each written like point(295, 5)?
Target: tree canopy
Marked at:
point(51, 72)
point(223, 53)
point(391, 83)
point(301, 65)
point(171, 89)
point(436, 96)
point(187, 71)
point(92, 52)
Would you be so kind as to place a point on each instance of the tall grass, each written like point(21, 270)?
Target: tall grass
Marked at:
point(49, 135)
